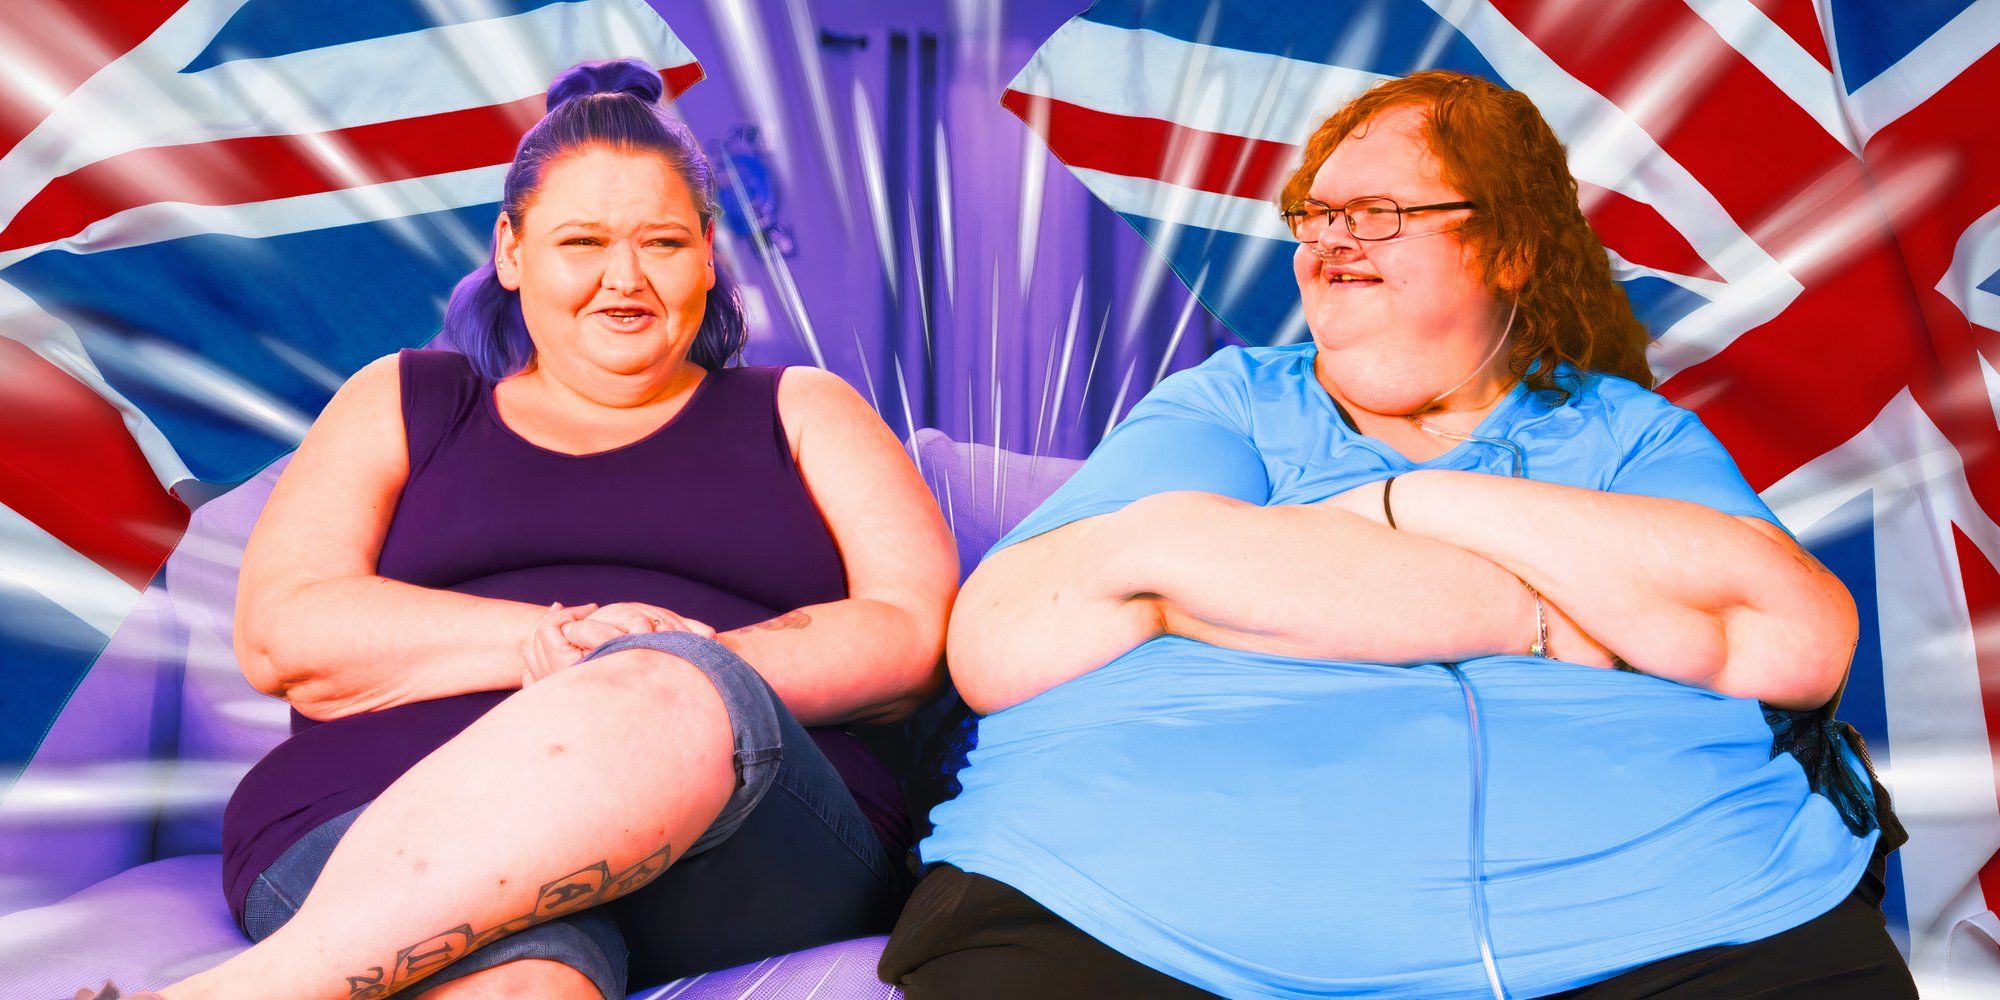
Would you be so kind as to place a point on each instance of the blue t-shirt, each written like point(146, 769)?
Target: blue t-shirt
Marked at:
point(1263, 826)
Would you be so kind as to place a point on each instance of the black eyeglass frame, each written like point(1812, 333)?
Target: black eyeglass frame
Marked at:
point(1293, 216)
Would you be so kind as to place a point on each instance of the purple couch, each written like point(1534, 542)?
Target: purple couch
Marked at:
point(110, 841)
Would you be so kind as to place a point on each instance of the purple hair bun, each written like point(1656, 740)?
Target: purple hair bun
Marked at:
point(610, 76)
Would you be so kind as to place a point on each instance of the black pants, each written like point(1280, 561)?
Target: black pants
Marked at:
point(969, 937)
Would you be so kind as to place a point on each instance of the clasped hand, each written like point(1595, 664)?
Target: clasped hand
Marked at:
point(564, 635)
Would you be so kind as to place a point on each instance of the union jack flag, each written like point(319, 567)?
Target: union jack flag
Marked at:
point(1800, 201)
point(211, 212)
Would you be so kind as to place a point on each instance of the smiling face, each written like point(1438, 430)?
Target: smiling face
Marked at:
point(1400, 321)
point(613, 267)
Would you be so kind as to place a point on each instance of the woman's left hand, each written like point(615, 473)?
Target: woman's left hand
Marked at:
point(628, 618)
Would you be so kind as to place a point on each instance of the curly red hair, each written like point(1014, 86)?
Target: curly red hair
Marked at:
point(1531, 239)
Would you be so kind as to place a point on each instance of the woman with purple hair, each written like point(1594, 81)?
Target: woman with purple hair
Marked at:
point(552, 613)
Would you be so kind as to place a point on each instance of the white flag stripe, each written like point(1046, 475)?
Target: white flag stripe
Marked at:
point(1975, 259)
point(388, 201)
point(1606, 147)
point(40, 562)
point(1145, 74)
point(1186, 206)
point(1140, 73)
point(1625, 270)
point(1937, 725)
point(140, 101)
point(1925, 70)
point(1782, 60)
point(1940, 765)
point(24, 321)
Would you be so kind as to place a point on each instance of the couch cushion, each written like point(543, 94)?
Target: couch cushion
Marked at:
point(157, 923)
point(841, 971)
point(985, 491)
point(142, 928)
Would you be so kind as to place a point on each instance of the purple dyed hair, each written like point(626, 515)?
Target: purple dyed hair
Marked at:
point(615, 103)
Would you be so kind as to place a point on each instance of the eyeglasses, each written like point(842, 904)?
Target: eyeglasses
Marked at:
point(1368, 219)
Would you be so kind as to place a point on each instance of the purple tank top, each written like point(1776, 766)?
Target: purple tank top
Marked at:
point(706, 515)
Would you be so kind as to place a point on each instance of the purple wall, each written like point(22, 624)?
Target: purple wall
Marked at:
point(919, 206)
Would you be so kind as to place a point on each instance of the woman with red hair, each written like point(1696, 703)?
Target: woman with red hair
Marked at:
point(1437, 656)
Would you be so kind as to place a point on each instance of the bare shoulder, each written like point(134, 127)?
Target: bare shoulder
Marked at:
point(814, 401)
point(805, 386)
point(378, 385)
point(361, 428)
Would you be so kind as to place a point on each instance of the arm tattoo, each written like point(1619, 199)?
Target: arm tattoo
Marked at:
point(578, 890)
point(790, 619)
point(367, 986)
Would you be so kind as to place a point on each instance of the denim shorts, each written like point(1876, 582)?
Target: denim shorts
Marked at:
point(771, 749)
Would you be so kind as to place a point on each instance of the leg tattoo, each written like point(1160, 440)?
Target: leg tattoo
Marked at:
point(579, 890)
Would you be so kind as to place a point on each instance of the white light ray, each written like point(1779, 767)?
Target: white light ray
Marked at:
point(805, 41)
point(947, 243)
point(868, 143)
point(38, 561)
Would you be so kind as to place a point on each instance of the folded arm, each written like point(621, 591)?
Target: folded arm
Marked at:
point(1167, 529)
point(1675, 589)
point(1311, 581)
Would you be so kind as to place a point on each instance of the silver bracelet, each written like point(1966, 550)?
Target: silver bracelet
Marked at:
point(1541, 646)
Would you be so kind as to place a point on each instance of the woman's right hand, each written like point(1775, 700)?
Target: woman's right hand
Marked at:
point(546, 650)
point(629, 618)
point(565, 635)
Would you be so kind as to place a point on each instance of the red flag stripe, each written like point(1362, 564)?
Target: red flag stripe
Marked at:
point(1952, 124)
point(1813, 376)
point(68, 464)
point(1754, 150)
point(1982, 598)
point(1640, 234)
point(1752, 147)
point(1799, 20)
point(262, 168)
point(1242, 167)
point(1133, 146)
point(73, 42)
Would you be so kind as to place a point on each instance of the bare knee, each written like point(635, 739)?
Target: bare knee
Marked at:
point(647, 679)
point(521, 979)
